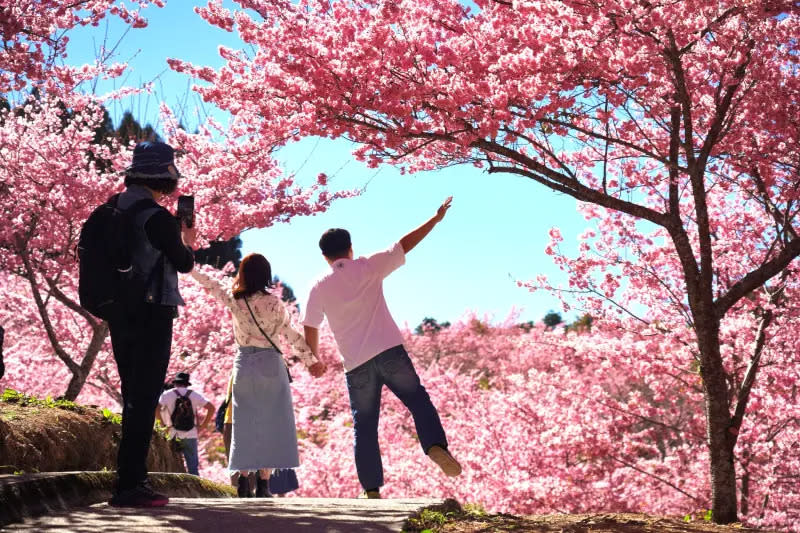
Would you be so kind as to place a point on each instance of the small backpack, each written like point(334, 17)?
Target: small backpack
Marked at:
point(219, 419)
point(105, 247)
point(183, 413)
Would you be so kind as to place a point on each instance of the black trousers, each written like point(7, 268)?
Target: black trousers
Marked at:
point(141, 339)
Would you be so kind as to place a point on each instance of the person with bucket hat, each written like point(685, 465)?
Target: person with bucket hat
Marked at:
point(179, 409)
point(141, 328)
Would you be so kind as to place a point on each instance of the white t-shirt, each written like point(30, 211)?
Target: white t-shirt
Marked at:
point(351, 297)
point(167, 402)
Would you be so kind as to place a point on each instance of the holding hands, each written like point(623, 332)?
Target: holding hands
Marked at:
point(317, 369)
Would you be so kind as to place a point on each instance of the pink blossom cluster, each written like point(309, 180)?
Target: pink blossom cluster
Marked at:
point(34, 34)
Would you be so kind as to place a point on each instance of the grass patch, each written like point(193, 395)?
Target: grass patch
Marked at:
point(432, 519)
point(111, 416)
point(13, 397)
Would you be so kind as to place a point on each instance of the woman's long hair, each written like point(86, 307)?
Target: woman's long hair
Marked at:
point(255, 274)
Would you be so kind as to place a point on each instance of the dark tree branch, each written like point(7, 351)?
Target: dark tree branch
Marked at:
point(750, 376)
point(757, 277)
point(567, 184)
point(44, 315)
point(658, 478)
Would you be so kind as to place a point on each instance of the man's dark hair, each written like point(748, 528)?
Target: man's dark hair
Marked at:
point(335, 243)
point(165, 185)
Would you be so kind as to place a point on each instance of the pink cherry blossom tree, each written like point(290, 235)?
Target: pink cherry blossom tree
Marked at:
point(54, 172)
point(35, 35)
point(642, 108)
point(49, 172)
point(548, 421)
point(53, 182)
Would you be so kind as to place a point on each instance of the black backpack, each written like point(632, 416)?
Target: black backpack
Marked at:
point(183, 413)
point(105, 246)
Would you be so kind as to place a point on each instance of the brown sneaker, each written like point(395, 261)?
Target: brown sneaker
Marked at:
point(444, 460)
point(370, 495)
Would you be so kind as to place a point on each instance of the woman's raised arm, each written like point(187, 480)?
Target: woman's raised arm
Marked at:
point(214, 287)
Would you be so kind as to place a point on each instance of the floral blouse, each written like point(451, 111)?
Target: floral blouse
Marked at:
point(271, 314)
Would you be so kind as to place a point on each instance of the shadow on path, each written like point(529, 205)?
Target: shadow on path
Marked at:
point(289, 515)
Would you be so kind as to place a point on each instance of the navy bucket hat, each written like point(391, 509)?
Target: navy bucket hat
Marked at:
point(154, 160)
point(181, 378)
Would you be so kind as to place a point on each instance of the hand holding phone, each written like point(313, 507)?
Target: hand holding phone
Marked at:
point(185, 212)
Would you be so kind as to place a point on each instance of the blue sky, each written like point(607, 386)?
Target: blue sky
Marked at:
point(494, 234)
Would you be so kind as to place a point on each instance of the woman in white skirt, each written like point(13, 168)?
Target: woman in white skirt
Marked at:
point(264, 433)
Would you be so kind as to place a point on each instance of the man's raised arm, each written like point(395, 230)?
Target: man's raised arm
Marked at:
point(413, 238)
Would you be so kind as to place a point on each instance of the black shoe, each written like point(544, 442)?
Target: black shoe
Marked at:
point(139, 496)
point(262, 488)
point(243, 490)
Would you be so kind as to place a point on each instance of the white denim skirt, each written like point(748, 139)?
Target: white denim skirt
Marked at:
point(264, 432)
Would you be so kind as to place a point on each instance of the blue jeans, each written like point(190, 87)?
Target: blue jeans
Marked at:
point(394, 369)
point(190, 454)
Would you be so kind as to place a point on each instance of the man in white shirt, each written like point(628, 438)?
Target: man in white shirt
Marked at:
point(371, 346)
point(167, 403)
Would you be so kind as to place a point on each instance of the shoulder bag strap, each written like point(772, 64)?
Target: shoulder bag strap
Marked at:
point(174, 405)
point(259, 326)
point(267, 337)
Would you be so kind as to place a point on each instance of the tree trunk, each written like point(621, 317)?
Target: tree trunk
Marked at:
point(81, 371)
point(745, 498)
point(75, 385)
point(718, 424)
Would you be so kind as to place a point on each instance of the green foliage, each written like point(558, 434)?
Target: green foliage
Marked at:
point(287, 293)
point(581, 325)
point(220, 253)
point(552, 319)
point(11, 396)
point(526, 326)
point(129, 130)
point(110, 416)
point(160, 429)
point(706, 516)
point(474, 509)
point(432, 520)
point(430, 325)
point(19, 398)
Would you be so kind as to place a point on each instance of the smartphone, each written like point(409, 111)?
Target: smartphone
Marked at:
point(186, 210)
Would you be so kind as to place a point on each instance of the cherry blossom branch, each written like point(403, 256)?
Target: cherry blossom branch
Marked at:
point(743, 396)
point(757, 277)
point(555, 180)
point(658, 478)
point(43, 313)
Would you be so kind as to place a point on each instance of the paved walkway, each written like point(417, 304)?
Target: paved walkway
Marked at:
point(233, 515)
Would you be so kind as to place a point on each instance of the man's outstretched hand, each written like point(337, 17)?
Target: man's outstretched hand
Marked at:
point(412, 239)
point(443, 208)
